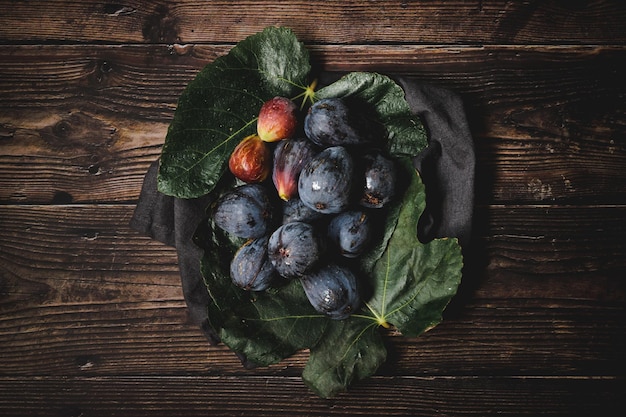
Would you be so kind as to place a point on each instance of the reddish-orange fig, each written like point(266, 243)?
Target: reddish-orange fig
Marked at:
point(278, 119)
point(251, 160)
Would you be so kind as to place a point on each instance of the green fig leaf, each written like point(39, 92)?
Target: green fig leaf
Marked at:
point(221, 105)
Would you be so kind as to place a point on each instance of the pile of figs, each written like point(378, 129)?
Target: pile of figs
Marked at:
point(307, 199)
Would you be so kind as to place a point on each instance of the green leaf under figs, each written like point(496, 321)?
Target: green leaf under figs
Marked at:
point(406, 133)
point(220, 107)
point(412, 282)
point(350, 350)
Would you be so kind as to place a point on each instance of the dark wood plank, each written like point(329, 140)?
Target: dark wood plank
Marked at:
point(82, 294)
point(322, 21)
point(81, 124)
point(229, 396)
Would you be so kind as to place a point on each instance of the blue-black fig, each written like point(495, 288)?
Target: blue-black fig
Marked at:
point(350, 231)
point(294, 210)
point(332, 290)
point(294, 248)
point(335, 122)
point(379, 181)
point(325, 183)
point(245, 211)
point(250, 268)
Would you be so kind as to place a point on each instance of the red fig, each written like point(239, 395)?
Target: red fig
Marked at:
point(251, 160)
point(277, 119)
point(290, 156)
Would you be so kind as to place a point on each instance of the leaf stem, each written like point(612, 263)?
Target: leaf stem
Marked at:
point(378, 318)
point(308, 94)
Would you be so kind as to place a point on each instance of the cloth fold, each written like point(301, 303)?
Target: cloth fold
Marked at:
point(446, 167)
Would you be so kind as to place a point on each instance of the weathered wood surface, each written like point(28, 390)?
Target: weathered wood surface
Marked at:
point(92, 316)
point(318, 21)
point(547, 120)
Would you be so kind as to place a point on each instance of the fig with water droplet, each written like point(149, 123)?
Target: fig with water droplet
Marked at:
point(325, 183)
point(250, 268)
point(294, 248)
point(278, 119)
point(332, 290)
point(251, 160)
point(350, 231)
point(379, 181)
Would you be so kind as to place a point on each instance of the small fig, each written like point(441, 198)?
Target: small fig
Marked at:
point(290, 156)
point(294, 248)
point(350, 232)
point(325, 183)
point(379, 181)
point(277, 119)
point(245, 211)
point(332, 290)
point(251, 160)
point(250, 268)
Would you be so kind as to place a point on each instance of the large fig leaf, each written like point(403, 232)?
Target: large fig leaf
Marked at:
point(406, 135)
point(220, 107)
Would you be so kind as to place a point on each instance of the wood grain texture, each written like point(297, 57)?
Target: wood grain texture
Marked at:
point(321, 21)
point(82, 294)
point(93, 321)
point(547, 121)
point(228, 396)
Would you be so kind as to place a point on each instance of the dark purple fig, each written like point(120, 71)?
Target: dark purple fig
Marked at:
point(290, 156)
point(350, 232)
point(295, 210)
point(325, 183)
point(332, 290)
point(294, 248)
point(379, 181)
point(250, 268)
point(244, 211)
point(336, 122)
point(251, 160)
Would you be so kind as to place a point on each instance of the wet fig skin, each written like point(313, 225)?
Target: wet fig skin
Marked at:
point(290, 156)
point(294, 248)
point(278, 119)
point(325, 183)
point(251, 160)
point(379, 181)
point(332, 290)
point(250, 268)
point(245, 211)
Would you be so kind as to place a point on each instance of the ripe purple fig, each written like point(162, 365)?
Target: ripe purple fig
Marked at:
point(290, 156)
point(278, 119)
point(251, 160)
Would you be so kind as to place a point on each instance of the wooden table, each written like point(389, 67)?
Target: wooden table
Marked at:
point(92, 317)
